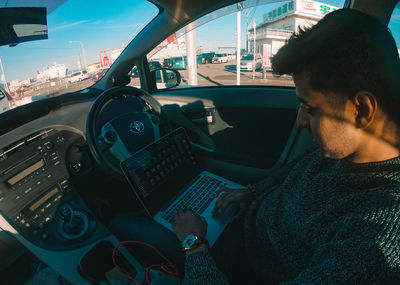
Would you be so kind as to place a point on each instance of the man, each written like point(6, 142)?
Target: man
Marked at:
point(333, 216)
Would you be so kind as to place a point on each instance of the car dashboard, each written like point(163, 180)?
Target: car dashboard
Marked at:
point(39, 205)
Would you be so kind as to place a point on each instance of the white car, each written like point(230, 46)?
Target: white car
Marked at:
point(246, 61)
point(4, 104)
point(78, 76)
point(220, 58)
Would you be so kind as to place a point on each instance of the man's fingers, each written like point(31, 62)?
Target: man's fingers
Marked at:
point(238, 215)
point(220, 190)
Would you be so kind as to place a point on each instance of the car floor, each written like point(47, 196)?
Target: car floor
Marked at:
point(29, 270)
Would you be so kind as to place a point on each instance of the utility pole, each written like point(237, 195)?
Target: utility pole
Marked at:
point(80, 62)
point(239, 7)
point(247, 30)
point(83, 51)
point(4, 77)
point(254, 48)
point(191, 54)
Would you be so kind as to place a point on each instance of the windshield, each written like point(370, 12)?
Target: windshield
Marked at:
point(84, 39)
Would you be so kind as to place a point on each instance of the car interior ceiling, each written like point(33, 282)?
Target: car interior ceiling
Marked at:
point(60, 123)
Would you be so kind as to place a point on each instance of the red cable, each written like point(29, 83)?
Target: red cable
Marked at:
point(167, 266)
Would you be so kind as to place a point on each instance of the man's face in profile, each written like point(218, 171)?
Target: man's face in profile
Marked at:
point(329, 118)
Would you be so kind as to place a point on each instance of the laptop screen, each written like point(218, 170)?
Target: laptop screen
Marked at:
point(160, 171)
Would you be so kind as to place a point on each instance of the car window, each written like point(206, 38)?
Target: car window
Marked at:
point(394, 25)
point(216, 33)
point(84, 40)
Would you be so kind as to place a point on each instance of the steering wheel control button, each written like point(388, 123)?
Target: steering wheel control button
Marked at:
point(110, 137)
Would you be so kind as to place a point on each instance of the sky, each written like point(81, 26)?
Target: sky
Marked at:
point(102, 25)
point(99, 25)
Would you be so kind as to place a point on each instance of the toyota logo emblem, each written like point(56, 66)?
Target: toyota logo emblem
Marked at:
point(136, 127)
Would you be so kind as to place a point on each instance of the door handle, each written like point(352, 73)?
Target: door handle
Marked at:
point(206, 119)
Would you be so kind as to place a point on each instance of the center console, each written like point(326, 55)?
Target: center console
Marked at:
point(35, 188)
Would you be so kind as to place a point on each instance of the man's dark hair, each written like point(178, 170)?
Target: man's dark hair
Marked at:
point(345, 52)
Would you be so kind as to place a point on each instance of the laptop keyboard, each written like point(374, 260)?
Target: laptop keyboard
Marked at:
point(198, 198)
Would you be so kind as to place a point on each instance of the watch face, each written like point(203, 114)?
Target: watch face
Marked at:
point(189, 241)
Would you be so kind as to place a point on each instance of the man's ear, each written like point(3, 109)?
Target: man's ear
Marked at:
point(366, 106)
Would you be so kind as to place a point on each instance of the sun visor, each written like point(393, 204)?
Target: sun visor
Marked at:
point(22, 24)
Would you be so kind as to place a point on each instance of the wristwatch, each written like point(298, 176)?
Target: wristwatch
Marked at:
point(193, 241)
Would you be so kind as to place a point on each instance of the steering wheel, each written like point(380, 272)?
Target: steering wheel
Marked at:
point(123, 135)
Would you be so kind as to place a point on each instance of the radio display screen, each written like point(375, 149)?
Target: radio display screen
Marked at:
point(39, 202)
point(21, 175)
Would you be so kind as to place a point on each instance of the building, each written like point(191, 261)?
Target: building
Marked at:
point(279, 24)
point(173, 46)
point(94, 67)
point(15, 84)
point(107, 57)
point(53, 72)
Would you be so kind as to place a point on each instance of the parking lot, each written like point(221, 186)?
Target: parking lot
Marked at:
point(220, 74)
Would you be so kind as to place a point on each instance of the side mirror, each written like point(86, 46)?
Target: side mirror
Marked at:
point(166, 78)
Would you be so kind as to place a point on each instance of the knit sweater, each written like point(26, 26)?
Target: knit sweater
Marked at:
point(326, 222)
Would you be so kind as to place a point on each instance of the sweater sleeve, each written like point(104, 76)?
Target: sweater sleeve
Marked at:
point(277, 175)
point(359, 248)
point(200, 268)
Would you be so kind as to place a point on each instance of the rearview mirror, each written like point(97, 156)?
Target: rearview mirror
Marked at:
point(166, 78)
point(22, 24)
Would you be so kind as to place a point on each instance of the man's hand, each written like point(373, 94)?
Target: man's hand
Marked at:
point(186, 222)
point(241, 197)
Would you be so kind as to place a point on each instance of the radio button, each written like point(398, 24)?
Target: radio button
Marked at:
point(48, 145)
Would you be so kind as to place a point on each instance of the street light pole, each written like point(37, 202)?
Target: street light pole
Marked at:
point(83, 51)
point(239, 8)
point(4, 77)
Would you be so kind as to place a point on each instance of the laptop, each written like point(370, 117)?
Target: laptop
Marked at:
point(167, 176)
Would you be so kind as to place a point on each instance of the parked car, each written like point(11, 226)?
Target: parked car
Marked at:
point(246, 61)
point(98, 75)
point(168, 62)
point(152, 65)
point(179, 62)
point(220, 58)
point(206, 57)
point(78, 76)
point(4, 103)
